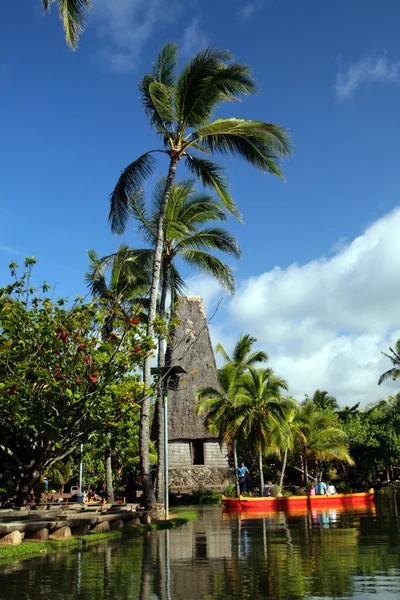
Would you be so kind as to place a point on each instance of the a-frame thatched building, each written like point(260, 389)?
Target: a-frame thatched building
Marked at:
point(196, 459)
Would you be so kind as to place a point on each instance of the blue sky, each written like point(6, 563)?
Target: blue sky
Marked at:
point(328, 70)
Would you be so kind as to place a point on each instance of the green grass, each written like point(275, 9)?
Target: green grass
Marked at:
point(29, 549)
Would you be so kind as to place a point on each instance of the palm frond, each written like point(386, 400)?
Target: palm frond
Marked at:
point(72, 14)
point(164, 68)
point(161, 96)
point(200, 208)
point(391, 374)
point(219, 349)
point(131, 179)
point(263, 145)
point(206, 81)
point(211, 176)
point(207, 263)
point(212, 238)
point(137, 209)
point(177, 285)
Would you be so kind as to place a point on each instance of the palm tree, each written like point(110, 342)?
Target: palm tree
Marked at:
point(190, 236)
point(242, 356)
point(320, 438)
point(127, 284)
point(219, 405)
point(180, 109)
point(72, 14)
point(394, 357)
point(260, 410)
point(283, 432)
point(324, 401)
point(241, 359)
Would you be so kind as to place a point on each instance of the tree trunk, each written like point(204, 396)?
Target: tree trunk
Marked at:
point(283, 468)
point(109, 479)
point(144, 430)
point(159, 408)
point(260, 466)
point(25, 487)
point(235, 462)
point(305, 462)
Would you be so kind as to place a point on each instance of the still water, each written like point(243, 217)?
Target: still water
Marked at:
point(317, 554)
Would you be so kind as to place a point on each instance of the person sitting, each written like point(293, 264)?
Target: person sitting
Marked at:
point(331, 490)
point(267, 489)
point(275, 490)
point(312, 491)
point(320, 488)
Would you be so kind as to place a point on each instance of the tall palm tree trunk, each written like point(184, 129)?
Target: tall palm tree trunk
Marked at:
point(144, 430)
point(283, 468)
point(260, 466)
point(109, 481)
point(159, 409)
point(235, 462)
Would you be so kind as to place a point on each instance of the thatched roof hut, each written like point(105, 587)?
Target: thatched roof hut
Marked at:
point(191, 349)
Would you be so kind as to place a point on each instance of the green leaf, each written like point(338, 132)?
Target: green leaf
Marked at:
point(130, 180)
point(211, 176)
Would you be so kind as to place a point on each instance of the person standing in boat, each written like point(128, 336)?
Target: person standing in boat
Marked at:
point(241, 475)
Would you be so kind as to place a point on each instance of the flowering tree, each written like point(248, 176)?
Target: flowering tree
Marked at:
point(61, 380)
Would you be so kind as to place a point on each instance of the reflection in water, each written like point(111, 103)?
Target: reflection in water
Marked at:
point(329, 553)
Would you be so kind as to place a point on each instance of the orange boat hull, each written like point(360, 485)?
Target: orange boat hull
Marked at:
point(297, 502)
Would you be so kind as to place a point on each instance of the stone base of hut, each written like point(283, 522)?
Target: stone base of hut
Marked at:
point(199, 477)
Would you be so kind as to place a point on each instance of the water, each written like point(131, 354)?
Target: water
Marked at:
point(321, 554)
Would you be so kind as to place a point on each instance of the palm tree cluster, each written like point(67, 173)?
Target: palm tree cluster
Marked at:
point(248, 409)
point(182, 223)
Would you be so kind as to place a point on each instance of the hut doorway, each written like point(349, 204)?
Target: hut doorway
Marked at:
point(197, 452)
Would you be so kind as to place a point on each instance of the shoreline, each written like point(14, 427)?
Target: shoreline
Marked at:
point(32, 549)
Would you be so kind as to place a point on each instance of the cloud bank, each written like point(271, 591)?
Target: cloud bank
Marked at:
point(325, 323)
point(367, 71)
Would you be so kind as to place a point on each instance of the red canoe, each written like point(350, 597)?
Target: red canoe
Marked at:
point(288, 502)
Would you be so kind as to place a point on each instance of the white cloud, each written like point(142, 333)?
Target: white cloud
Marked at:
point(249, 9)
point(194, 39)
point(325, 323)
point(365, 72)
point(126, 25)
point(10, 250)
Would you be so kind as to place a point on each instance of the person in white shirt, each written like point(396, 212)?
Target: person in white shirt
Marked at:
point(331, 490)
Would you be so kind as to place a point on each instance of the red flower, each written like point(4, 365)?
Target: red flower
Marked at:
point(93, 378)
point(87, 360)
point(136, 321)
point(13, 389)
point(137, 348)
point(78, 379)
point(57, 352)
point(112, 337)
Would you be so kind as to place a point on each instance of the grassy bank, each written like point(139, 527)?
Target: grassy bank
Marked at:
point(29, 549)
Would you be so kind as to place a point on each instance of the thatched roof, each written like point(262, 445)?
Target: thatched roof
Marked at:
point(191, 349)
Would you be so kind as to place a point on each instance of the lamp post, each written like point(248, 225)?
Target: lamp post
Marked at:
point(169, 380)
